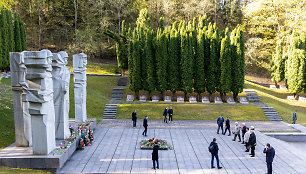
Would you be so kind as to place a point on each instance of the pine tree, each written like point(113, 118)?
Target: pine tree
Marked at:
point(137, 63)
point(278, 63)
point(211, 77)
point(174, 60)
point(131, 64)
point(150, 64)
point(186, 64)
point(225, 60)
point(1, 55)
point(17, 37)
point(199, 81)
point(5, 39)
point(161, 60)
point(10, 25)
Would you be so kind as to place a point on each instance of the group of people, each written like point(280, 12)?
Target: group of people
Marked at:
point(248, 139)
point(168, 112)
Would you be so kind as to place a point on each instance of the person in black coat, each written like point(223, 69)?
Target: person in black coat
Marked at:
point(165, 115)
point(134, 118)
point(155, 155)
point(220, 122)
point(252, 143)
point(170, 113)
point(270, 153)
point(243, 131)
point(213, 149)
point(145, 125)
point(227, 127)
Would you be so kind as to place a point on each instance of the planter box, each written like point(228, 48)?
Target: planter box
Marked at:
point(218, 100)
point(205, 99)
point(167, 98)
point(130, 98)
point(230, 100)
point(193, 99)
point(180, 99)
point(243, 100)
point(155, 98)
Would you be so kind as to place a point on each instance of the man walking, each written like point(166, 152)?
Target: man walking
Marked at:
point(165, 115)
point(237, 132)
point(294, 117)
point(252, 143)
point(145, 125)
point(213, 149)
point(243, 131)
point(134, 118)
point(227, 127)
point(220, 121)
point(270, 153)
point(170, 112)
point(155, 155)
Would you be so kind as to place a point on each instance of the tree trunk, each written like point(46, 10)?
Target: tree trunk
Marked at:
point(235, 96)
point(39, 24)
point(75, 2)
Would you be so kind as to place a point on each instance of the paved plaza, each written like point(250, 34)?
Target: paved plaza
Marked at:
point(117, 150)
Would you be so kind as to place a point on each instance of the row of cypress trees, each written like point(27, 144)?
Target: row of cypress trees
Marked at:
point(12, 37)
point(193, 57)
point(289, 63)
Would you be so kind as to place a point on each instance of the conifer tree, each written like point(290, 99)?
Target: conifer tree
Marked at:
point(23, 35)
point(174, 60)
point(131, 64)
point(10, 26)
point(150, 64)
point(5, 38)
point(136, 63)
point(225, 60)
point(278, 63)
point(199, 81)
point(186, 64)
point(17, 37)
point(211, 70)
point(161, 60)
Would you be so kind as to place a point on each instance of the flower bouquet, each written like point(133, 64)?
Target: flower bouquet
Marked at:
point(149, 144)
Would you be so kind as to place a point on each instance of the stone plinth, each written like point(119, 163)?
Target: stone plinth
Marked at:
point(61, 79)
point(79, 69)
point(40, 98)
point(22, 117)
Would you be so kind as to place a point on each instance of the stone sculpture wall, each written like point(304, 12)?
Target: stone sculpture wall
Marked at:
point(40, 98)
point(22, 117)
point(61, 79)
point(79, 69)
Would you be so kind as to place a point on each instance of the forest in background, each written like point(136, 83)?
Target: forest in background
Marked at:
point(78, 25)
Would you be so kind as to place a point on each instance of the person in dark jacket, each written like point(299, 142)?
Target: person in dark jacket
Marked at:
point(252, 143)
point(145, 125)
point(155, 155)
point(220, 122)
point(227, 127)
point(214, 153)
point(294, 117)
point(170, 113)
point(134, 118)
point(165, 115)
point(270, 153)
point(243, 131)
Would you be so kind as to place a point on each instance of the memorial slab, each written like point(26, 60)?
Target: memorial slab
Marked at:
point(155, 98)
point(167, 98)
point(205, 99)
point(130, 98)
point(218, 100)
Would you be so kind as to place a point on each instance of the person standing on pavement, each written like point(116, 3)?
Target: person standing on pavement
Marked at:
point(170, 113)
point(213, 149)
point(294, 117)
point(145, 125)
point(155, 155)
point(270, 153)
point(134, 118)
point(252, 143)
point(227, 127)
point(246, 139)
point(165, 115)
point(220, 122)
point(243, 131)
point(237, 132)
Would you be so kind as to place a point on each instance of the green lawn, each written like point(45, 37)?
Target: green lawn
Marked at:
point(192, 111)
point(99, 68)
point(277, 99)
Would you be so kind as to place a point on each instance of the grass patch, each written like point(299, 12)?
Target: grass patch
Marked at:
point(5, 169)
point(99, 92)
point(277, 99)
point(99, 68)
point(192, 111)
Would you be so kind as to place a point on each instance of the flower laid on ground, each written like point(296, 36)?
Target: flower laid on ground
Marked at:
point(149, 144)
point(84, 130)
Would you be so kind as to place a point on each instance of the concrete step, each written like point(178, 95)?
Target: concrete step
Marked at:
point(111, 105)
point(110, 112)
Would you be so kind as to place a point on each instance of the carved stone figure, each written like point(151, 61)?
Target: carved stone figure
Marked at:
point(61, 79)
point(79, 69)
point(22, 117)
point(40, 98)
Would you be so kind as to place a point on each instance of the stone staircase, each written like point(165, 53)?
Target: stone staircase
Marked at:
point(271, 113)
point(252, 96)
point(110, 111)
